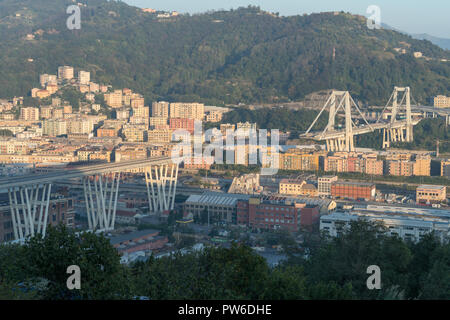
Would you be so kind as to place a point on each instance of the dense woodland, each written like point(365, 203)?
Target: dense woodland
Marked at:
point(322, 268)
point(224, 57)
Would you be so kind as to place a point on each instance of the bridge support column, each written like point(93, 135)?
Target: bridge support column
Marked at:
point(161, 183)
point(29, 210)
point(341, 144)
point(395, 135)
point(100, 195)
point(386, 138)
point(330, 145)
point(402, 132)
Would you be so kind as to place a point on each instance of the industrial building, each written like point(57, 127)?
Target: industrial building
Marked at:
point(353, 190)
point(220, 206)
point(431, 194)
point(263, 213)
point(409, 223)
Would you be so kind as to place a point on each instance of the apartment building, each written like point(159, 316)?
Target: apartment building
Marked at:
point(51, 88)
point(67, 109)
point(135, 132)
point(324, 185)
point(65, 73)
point(94, 153)
point(122, 113)
point(398, 156)
point(29, 114)
point(181, 124)
point(46, 112)
point(374, 166)
point(85, 89)
point(160, 109)
point(128, 153)
point(138, 102)
point(7, 116)
point(245, 154)
point(58, 113)
point(296, 159)
point(158, 123)
point(445, 168)
point(335, 163)
point(199, 163)
point(214, 116)
point(246, 127)
point(194, 111)
point(42, 94)
point(441, 101)
point(114, 99)
point(227, 127)
point(84, 77)
point(422, 165)
point(401, 168)
point(45, 79)
point(94, 87)
point(159, 136)
point(81, 125)
point(14, 146)
point(297, 187)
point(107, 132)
point(140, 111)
point(54, 128)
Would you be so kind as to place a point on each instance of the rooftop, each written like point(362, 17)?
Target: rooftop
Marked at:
point(132, 235)
point(429, 186)
point(216, 198)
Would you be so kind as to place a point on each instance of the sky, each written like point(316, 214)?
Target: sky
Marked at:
point(412, 16)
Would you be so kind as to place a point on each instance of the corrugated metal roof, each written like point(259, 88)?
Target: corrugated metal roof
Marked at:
point(215, 198)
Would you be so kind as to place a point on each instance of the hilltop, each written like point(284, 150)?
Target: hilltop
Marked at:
point(225, 57)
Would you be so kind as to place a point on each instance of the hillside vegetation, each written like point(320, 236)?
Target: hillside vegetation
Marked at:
point(224, 57)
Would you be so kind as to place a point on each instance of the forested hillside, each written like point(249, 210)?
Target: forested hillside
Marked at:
point(225, 57)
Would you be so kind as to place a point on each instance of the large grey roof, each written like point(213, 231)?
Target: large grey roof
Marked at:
point(216, 198)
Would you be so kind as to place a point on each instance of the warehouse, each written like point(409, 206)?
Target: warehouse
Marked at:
point(353, 190)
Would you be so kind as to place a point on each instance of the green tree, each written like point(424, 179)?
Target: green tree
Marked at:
point(344, 259)
point(102, 275)
point(436, 284)
point(214, 273)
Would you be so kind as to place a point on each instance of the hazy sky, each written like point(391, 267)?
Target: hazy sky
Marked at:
point(413, 16)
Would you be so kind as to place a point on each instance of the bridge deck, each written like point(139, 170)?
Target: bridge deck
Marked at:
point(81, 171)
point(357, 131)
